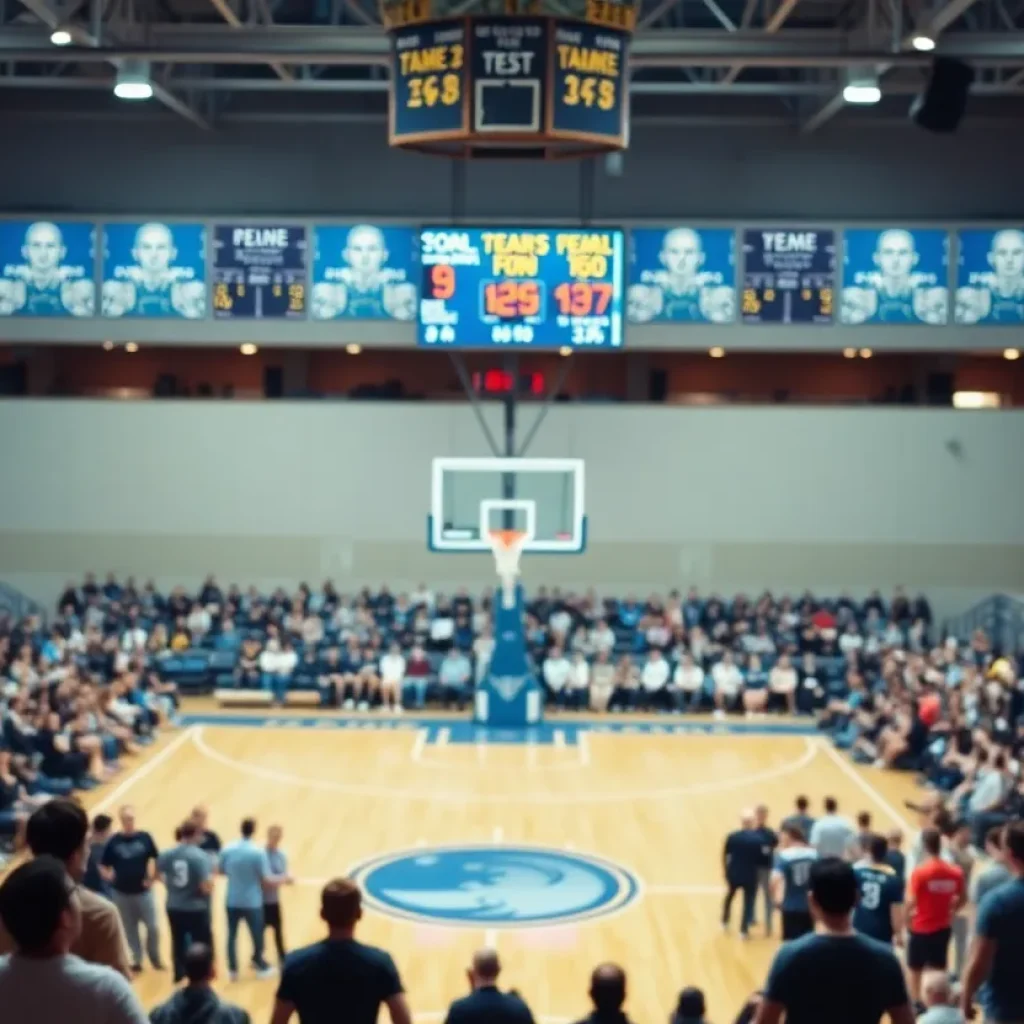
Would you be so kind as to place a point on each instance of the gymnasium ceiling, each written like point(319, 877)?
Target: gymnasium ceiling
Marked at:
point(719, 61)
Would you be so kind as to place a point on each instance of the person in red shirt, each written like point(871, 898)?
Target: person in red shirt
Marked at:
point(935, 892)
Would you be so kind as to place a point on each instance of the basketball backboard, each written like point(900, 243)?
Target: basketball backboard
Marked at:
point(474, 498)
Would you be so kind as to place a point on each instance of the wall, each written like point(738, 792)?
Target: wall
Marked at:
point(887, 171)
point(730, 498)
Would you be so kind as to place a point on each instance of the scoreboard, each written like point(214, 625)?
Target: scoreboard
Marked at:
point(521, 287)
point(259, 271)
point(788, 276)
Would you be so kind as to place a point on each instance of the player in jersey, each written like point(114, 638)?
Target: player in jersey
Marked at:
point(996, 297)
point(894, 292)
point(791, 880)
point(187, 872)
point(682, 290)
point(43, 285)
point(879, 911)
point(365, 286)
point(152, 286)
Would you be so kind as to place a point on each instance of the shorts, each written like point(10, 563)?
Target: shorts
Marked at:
point(929, 949)
point(796, 923)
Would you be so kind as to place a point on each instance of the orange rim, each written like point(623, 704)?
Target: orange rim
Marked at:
point(506, 538)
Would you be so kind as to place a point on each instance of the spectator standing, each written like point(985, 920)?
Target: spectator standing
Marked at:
point(209, 841)
point(834, 975)
point(607, 994)
point(43, 982)
point(197, 1003)
point(937, 995)
point(279, 876)
point(879, 912)
point(188, 874)
point(769, 840)
point(800, 818)
point(791, 881)
point(935, 893)
point(832, 834)
point(997, 872)
point(894, 856)
point(93, 878)
point(690, 1007)
point(247, 871)
point(59, 829)
point(960, 854)
point(486, 1003)
point(339, 974)
point(995, 953)
point(741, 856)
point(129, 864)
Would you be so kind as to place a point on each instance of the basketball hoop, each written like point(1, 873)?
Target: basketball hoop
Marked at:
point(507, 546)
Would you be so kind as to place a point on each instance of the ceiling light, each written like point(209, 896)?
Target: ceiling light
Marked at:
point(717, 352)
point(248, 349)
point(353, 350)
point(1011, 354)
point(565, 351)
point(862, 93)
point(133, 81)
point(923, 42)
point(866, 353)
point(60, 37)
point(131, 347)
point(108, 346)
point(976, 400)
point(849, 353)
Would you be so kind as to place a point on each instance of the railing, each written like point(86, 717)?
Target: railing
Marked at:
point(15, 603)
point(1000, 616)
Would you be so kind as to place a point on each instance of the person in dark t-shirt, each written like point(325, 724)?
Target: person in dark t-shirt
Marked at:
point(93, 878)
point(834, 975)
point(340, 977)
point(742, 856)
point(209, 841)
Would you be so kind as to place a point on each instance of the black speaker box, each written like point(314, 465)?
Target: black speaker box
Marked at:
point(941, 106)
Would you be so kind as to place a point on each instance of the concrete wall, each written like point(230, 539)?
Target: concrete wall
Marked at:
point(737, 498)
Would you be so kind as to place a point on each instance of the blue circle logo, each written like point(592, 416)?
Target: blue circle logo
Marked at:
point(496, 886)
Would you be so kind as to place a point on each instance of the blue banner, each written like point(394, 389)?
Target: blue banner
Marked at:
point(788, 275)
point(259, 270)
point(365, 272)
point(990, 277)
point(682, 275)
point(154, 269)
point(896, 275)
point(588, 97)
point(47, 268)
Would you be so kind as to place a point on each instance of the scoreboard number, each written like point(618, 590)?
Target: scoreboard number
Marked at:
point(589, 91)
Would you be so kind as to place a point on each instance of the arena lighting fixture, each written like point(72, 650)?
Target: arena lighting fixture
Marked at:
point(108, 346)
point(565, 351)
point(248, 349)
point(131, 347)
point(60, 36)
point(976, 400)
point(849, 353)
point(133, 81)
point(866, 353)
point(1011, 354)
point(353, 350)
point(717, 352)
point(923, 42)
point(862, 87)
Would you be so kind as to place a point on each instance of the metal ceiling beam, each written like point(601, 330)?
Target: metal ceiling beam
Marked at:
point(772, 25)
point(87, 43)
point(225, 10)
point(939, 20)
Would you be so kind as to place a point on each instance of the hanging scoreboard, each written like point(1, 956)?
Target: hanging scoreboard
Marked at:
point(788, 276)
point(259, 271)
point(521, 287)
point(483, 84)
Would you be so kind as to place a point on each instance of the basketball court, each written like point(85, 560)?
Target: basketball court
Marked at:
point(578, 842)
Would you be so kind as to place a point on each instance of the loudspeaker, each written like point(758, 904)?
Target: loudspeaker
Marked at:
point(941, 106)
point(273, 382)
point(939, 389)
point(657, 385)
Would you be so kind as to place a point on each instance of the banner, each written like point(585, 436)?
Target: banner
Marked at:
point(47, 268)
point(990, 277)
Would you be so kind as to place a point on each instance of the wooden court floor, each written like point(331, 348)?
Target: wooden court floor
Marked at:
point(657, 805)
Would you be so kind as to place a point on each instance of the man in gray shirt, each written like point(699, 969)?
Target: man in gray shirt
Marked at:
point(832, 835)
point(938, 1000)
point(43, 981)
point(997, 873)
point(187, 872)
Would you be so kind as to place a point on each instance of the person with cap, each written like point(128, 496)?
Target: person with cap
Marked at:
point(42, 982)
point(197, 1003)
point(690, 1008)
point(486, 1003)
point(607, 993)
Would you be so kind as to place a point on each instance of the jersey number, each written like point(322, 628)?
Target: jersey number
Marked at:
point(179, 874)
point(870, 895)
point(801, 873)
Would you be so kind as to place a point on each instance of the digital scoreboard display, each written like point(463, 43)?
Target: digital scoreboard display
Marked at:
point(521, 287)
point(259, 271)
point(788, 276)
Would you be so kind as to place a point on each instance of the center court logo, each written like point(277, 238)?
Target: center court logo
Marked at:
point(496, 886)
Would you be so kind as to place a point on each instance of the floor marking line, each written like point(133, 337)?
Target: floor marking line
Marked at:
point(443, 735)
point(583, 745)
point(684, 890)
point(579, 797)
point(531, 756)
point(558, 737)
point(145, 769)
point(491, 938)
point(419, 743)
point(497, 834)
point(481, 752)
point(851, 773)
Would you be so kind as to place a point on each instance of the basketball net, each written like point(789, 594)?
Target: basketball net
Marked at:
point(507, 546)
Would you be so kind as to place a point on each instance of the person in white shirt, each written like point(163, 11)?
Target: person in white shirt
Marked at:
point(560, 621)
point(134, 639)
point(602, 638)
point(627, 681)
point(578, 683)
point(602, 682)
point(688, 681)
point(422, 596)
point(653, 679)
point(312, 630)
point(442, 630)
point(277, 663)
point(392, 676)
point(556, 671)
point(782, 682)
point(728, 682)
point(851, 640)
point(658, 634)
point(198, 622)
